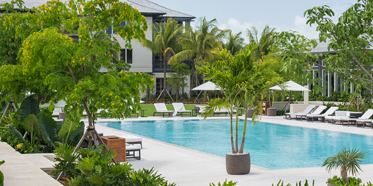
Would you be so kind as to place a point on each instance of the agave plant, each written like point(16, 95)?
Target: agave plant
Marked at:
point(348, 160)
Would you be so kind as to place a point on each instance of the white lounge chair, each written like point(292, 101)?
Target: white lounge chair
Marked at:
point(339, 115)
point(180, 108)
point(330, 111)
point(305, 111)
point(162, 109)
point(317, 111)
point(365, 116)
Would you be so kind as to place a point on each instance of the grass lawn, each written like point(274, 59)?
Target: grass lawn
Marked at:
point(149, 108)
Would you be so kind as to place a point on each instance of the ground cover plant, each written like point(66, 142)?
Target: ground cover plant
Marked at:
point(93, 166)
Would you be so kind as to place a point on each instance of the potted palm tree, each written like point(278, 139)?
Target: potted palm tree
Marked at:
point(348, 160)
point(241, 81)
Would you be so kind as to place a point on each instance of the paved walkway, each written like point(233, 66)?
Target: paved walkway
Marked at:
point(25, 169)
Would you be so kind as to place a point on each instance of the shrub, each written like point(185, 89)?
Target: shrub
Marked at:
point(93, 166)
point(230, 183)
point(1, 175)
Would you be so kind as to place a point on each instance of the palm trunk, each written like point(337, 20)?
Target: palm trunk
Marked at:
point(232, 142)
point(191, 84)
point(344, 173)
point(164, 77)
point(236, 130)
point(243, 133)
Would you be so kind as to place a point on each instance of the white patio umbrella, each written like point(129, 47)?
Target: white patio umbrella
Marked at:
point(60, 103)
point(291, 86)
point(206, 86)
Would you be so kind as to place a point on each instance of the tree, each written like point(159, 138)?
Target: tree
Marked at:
point(198, 45)
point(177, 79)
point(348, 160)
point(241, 80)
point(264, 42)
point(350, 38)
point(72, 68)
point(164, 43)
point(234, 43)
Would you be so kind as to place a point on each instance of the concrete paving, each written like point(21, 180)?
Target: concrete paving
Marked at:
point(24, 169)
point(185, 167)
point(190, 167)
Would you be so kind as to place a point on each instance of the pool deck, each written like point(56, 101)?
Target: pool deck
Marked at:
point(185, 167)
point(188, 167)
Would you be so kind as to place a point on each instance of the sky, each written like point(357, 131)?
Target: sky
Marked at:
point(240, 15)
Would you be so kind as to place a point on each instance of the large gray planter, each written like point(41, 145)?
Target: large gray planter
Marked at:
point(250, 113)
point(271, 111)
point(238, 163)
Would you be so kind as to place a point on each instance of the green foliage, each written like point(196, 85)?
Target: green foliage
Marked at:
point(281, 183)
point(234, 43)
point(351, 181)
point(49, 60)
point(264, 43)
point(28, 106)
point(41, 130)
point(1, 175)
point(177, 79)
point(348, 160)
point(92, 166)
point(242, 81)
point(225, 183)
point(148, 178)
point(65, 160)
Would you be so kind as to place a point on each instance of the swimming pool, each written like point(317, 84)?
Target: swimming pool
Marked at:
point(271, 146)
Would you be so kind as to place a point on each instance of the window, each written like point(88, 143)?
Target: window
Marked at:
point(109, 31)
point(129, 56)
point(126, 55)
point(123, 54)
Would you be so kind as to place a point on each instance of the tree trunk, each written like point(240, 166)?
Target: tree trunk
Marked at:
point(232, 142)
point(236, 129)
point(344, 173)
point(164, 76)
point(243, 133)
point(191, 82)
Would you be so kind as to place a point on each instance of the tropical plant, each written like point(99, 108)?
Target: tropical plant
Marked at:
point(177, 79)
point(1, 175)
point(225, 183)
point(348, 160)
point(281, 183)
point(93, 166)
point(264, 43)
point(39, 127)
point(164, 43)
point(241, 81)
point(198, 45)
point(234, 42)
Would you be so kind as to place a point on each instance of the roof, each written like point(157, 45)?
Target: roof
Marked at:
point(144, 6)
point(322, 47)
point(168, 12)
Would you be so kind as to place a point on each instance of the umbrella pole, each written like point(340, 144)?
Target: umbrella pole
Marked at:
point(198, 95)
point(290, 97)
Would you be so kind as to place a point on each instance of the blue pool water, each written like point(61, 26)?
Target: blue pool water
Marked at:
point(271, 146)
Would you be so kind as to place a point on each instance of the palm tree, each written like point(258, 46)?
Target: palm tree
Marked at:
point(264, 42)
point(347, 160)
point(164, 43)
point(198, 45)
point(234, 43)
